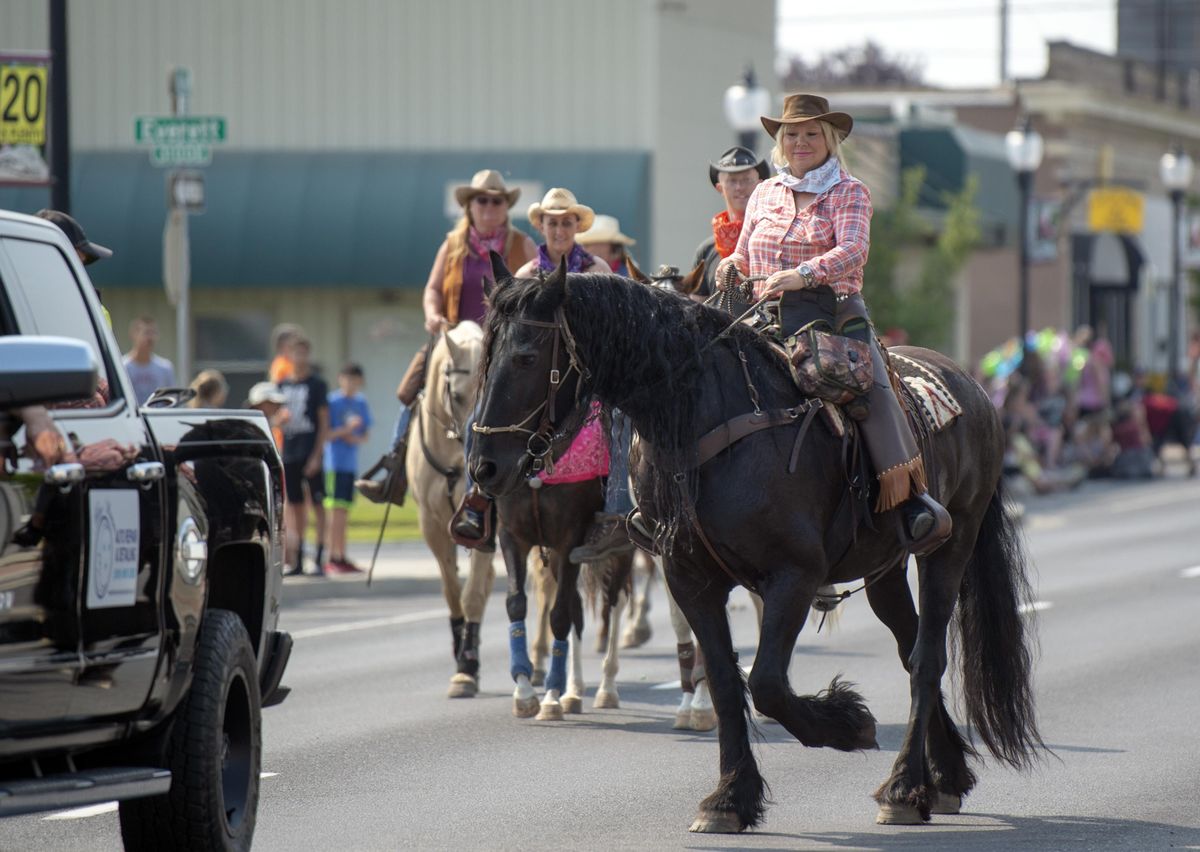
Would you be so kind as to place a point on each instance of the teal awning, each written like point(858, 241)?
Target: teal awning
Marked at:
point(306, 219)
point(952, 154)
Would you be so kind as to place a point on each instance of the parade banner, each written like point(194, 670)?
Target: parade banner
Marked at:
point(24, 102)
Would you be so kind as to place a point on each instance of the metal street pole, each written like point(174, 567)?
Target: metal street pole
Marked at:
point(1025, 184)
point(1174, 314)
point(60, 117)
point(180, 87)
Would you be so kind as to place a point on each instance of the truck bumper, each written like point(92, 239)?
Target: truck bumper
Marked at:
point(279, 651)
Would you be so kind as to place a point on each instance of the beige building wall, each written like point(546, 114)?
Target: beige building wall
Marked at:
point(416, 75)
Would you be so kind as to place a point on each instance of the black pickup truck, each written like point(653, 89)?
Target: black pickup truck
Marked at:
point(140, 574)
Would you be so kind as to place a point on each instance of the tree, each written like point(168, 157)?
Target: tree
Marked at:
point(923, 308)
point(867, 65)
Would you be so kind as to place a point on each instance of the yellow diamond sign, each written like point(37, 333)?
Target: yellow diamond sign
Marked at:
point(1115, 209)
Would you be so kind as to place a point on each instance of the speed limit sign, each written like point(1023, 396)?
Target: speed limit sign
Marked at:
point(24, 94)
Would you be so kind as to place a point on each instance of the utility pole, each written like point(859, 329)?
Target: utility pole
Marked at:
point(176, 248)
point(60, 118)
point(1003, 42)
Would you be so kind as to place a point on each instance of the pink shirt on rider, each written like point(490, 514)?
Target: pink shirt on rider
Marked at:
point(833, 233)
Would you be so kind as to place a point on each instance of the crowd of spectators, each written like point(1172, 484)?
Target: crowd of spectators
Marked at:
point(1070, 414)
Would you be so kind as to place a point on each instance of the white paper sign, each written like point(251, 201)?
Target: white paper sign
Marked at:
point(113, 548)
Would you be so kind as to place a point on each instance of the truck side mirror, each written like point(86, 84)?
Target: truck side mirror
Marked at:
point(43, 370)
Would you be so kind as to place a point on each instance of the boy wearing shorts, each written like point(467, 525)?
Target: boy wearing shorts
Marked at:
point(304, 437)
point(349, 424)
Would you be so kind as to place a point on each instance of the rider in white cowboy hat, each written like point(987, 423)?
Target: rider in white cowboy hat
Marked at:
point(605, 240)
point(559, 216)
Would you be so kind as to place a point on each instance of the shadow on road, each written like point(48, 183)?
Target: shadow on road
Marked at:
point(999, 832)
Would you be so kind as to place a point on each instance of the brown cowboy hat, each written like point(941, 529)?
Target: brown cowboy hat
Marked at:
point(485, 182)
point(557, 202)
point(798, 109)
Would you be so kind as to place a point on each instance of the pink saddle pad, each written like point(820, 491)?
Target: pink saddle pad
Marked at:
point(586, 458)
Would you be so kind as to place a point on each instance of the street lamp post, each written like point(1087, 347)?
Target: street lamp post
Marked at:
point(1175, 169)
point(745, 103)
point(1024, 147)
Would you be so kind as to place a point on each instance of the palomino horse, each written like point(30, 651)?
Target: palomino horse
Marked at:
point(435, 469)
point(739, 515)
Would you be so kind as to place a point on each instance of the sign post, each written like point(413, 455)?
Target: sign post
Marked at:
point(24, 102)
point(178, 140)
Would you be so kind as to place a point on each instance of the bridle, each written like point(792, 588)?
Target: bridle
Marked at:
point(544, 437)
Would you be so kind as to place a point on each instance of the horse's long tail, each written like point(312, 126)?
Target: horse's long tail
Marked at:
point(994, 641)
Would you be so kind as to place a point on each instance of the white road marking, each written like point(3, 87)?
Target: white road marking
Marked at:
point(84, 813)
point(674, 684)
point(407, 618)
point(1045, 522)
point(1148, 501)
point(268, 774)
point(1036, 606)
point(1192, 573)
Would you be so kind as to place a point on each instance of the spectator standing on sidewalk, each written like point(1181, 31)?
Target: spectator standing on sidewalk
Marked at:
point(282, 337)
point(349, 424)
point(147, 370)
point(304, 438)
point(267, 398)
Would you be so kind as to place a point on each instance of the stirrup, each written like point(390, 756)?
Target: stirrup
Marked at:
point(462, 529)
point(935, 537)
point(393, 487)
point(639, 532)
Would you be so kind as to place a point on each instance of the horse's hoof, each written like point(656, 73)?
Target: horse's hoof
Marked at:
point(717, 822)
point(683, 720)
point(538, 678)
point(606, 700)
point(551, 711)
point(572, 704)
point(946, 803)
point(526, 708)
point(462, 686)
point(703, 720)
point(898, 815)
point(636, 636)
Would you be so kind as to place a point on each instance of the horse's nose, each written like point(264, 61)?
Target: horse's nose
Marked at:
point(484, 471)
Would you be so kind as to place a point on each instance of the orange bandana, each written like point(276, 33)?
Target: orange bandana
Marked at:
point(725, 233)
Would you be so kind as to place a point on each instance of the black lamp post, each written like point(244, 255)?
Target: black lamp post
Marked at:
point(745, 102)
point(1175, 169)
point(1024, 147)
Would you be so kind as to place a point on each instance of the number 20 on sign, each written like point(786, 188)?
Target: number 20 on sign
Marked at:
point(22, 104)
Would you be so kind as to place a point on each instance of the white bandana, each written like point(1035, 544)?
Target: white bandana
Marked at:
point(817, 180)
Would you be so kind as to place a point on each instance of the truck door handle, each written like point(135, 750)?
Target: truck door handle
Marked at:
point(65, 475)
point(144, 473)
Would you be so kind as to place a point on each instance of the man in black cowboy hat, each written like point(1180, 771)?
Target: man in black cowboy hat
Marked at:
point(734, 175)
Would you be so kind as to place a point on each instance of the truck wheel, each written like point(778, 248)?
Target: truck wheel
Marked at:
point(213, 749)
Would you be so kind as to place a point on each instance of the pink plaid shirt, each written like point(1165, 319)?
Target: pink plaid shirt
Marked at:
point(833, 233)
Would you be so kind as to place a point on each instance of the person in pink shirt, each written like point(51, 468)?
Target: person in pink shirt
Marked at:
point(805, 238)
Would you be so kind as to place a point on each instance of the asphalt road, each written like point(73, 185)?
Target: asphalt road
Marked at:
point(368, 754)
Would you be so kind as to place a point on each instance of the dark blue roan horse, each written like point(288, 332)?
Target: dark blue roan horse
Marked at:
point(554, 344)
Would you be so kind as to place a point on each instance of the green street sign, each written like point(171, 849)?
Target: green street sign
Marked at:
point(181, 155)
point(161, 130)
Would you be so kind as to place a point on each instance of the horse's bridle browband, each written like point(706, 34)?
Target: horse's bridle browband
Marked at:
point(543, 438)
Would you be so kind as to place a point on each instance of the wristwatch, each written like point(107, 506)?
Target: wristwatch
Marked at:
point(806, 272)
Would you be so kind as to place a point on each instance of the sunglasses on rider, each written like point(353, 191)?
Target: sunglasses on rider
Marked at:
point(485, 200)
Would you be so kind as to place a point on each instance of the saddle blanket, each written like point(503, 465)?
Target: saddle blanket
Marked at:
point(586, 458)
point(936, 405)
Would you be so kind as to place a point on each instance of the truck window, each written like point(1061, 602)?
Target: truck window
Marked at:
point(53, 297)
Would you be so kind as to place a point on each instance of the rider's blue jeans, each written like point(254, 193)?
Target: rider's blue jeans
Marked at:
point(617, 499)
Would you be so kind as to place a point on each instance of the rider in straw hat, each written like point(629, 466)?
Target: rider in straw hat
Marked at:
point(605, 240)
point(559, 217)
point(807, 230)
point(454, 291)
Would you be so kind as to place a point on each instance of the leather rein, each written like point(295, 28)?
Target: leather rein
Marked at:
point(450, 473)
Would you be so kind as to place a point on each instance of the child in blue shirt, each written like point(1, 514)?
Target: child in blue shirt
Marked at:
point(349, 423)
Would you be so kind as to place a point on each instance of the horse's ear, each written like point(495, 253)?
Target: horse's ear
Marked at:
point(450, 346)
point(556, 281)
point(500, 272)
point(635, 272)
point(690, 283)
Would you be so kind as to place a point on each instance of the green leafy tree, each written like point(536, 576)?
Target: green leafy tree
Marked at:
point(924, 308)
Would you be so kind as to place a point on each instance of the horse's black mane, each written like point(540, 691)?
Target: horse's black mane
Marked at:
point(644, 350)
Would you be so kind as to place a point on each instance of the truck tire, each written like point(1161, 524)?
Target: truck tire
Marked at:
point(213, 749)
